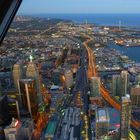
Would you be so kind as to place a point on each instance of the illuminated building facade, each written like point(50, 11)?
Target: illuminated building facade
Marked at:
point(17, 74)
point(29, 96)
point(102, 122)
point(68, 78)
point(13, 108)
point(32, 72)
point(13, 103)
point(125, 117)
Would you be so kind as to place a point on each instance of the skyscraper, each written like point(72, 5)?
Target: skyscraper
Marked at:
point(120, 84)
point(102, 122)
point(17, 74)
point(32, 72)
point(125, 117)
point(95, 86)
point(29, 96)
point(124, 82)
point(116, 85)
point(4, 111)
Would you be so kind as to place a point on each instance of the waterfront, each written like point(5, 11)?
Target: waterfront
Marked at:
point(132, 52)
point(127, 20)
point(62, 59)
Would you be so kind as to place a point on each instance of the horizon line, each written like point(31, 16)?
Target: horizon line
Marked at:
point(69, 13)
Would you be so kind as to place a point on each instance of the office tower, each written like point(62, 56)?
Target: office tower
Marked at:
point(95, 86)
point(32, 72)
point(29, 96)
point(135, 96)
point(4, 111)
point(124, 82)
point(116, 85)
point(120, 84)
point(17, 74)
point(68, 78)
point(102, 122)
point(125, 117)
point(13, 108)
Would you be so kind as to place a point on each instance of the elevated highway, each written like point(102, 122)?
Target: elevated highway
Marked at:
point(92, 72)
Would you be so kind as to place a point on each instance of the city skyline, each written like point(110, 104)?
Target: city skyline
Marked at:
point(70, 76)
point(79, 6)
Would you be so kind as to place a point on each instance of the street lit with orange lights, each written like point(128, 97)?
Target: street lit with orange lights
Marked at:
point(92, 72)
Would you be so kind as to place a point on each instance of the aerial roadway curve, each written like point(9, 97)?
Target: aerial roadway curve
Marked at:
point(92, 72)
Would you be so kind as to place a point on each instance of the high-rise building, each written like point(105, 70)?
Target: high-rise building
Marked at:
point(95, 86)
point(135, 96)
point(17, 74)
point(120, 84)
point(116, 85)
point(29, 96)
point(102, 122)
point(4, 111)
point(32, 72)
point(125, 117)
point(68, 78)
point(124, 82)
point(14, 110)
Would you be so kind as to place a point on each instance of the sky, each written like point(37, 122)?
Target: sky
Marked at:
point(79, 6)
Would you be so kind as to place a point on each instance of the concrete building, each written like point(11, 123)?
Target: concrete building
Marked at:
point(13, 132)
point(125, 117)
point(19, 130)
